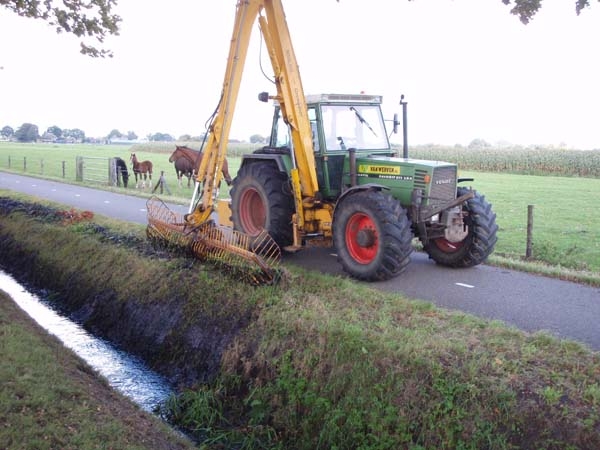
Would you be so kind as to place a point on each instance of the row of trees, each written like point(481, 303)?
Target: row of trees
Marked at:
point(29, 132)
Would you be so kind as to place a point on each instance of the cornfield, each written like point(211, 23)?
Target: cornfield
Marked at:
point(517, 160)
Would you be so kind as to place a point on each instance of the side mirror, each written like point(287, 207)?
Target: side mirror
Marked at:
point(263, 97)
point(396, 123)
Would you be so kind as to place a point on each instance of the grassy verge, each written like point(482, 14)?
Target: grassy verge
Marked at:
point(548, 270)
point(322, 362)
point(51, 399)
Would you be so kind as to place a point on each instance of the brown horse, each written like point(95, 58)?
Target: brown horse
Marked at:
point(184, 164)
point(193, 157)
point(142, 169)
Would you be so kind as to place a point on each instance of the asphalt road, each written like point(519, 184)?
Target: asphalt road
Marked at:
point(528, 302)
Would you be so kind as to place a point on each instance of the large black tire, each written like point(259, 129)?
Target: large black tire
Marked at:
point(480, 240)
point(372, 236)
point(261, 199)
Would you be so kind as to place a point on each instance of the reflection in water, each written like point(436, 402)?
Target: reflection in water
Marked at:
point(124, 373)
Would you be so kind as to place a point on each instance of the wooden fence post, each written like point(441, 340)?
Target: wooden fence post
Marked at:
point(79, 168)
point(24, 163)
point(63, 169)
point(529, 249)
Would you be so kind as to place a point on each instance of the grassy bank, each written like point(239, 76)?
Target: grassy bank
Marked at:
point(322, 362)
point(51, 399)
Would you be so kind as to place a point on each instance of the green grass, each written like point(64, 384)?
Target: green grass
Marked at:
point(566, 223)
point(565, 233)
point(323, 362)
point(46, 160)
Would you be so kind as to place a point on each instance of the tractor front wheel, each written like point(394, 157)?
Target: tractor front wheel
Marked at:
point(479, 242)
point(372, 236)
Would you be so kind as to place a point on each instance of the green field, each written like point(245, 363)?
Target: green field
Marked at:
point(520, 160)
point(48, 160)
point(566, 213)
point(566, 218)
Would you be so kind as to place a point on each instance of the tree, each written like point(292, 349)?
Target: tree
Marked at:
point(162, 137)
point(131, 136)
point(257, 139)
point(27, 132)
point(526, 9)
point(94, 18)
point(76, 134)
point(7, 132)
point(478, 144)
point(55, 131)
point(48, 137)
point(84, 18)
point(115, 134)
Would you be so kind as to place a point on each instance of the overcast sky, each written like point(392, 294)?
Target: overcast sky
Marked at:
point(467, 68)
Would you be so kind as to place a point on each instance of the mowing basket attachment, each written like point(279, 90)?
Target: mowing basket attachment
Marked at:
point(254, 259)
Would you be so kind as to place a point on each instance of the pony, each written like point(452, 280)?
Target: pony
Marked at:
point(193, 157)
point(122, 171)
point(142, 169)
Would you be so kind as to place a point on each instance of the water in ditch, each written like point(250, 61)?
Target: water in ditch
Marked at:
point(124, 372)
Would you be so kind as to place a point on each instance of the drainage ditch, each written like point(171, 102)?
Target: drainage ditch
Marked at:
point(124, 372)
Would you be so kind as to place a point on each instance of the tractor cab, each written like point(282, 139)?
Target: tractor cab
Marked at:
point(339, 123)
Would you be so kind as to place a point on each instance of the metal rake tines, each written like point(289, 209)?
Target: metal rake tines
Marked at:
point(252, 259)
point(166, 228)
point(255, 260)
point(158, 211)
point(169, 238)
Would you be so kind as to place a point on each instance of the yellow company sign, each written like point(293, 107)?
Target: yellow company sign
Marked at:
point(379, 170)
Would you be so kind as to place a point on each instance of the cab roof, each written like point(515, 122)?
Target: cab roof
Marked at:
point(344, 98)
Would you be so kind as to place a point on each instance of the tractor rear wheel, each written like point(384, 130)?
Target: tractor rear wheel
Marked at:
point(480, 240)
point(261, 200)
point(372, 235)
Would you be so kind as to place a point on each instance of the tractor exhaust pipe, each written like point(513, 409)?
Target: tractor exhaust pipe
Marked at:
point(404, 127)
point(353, 176)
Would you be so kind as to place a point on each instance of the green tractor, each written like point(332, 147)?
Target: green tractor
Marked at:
point(369, 202)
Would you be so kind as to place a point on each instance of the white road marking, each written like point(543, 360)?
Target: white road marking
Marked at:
point(106, 201)
point(77, 195)
point(465, 285)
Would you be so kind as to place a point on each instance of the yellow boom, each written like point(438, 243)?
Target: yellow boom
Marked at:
point(290, 96)
point(256, 258)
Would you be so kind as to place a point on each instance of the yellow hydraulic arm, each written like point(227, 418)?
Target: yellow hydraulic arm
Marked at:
point(290, 96)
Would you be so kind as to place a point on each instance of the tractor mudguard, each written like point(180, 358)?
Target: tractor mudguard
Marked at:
point(283, 161)
point(359, 188)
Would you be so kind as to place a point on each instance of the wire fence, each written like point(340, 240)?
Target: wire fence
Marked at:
point(88, 169)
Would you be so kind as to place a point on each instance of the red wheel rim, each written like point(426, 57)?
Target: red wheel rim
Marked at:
point(253, 214)
point(357, 223)
point(448, 247)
